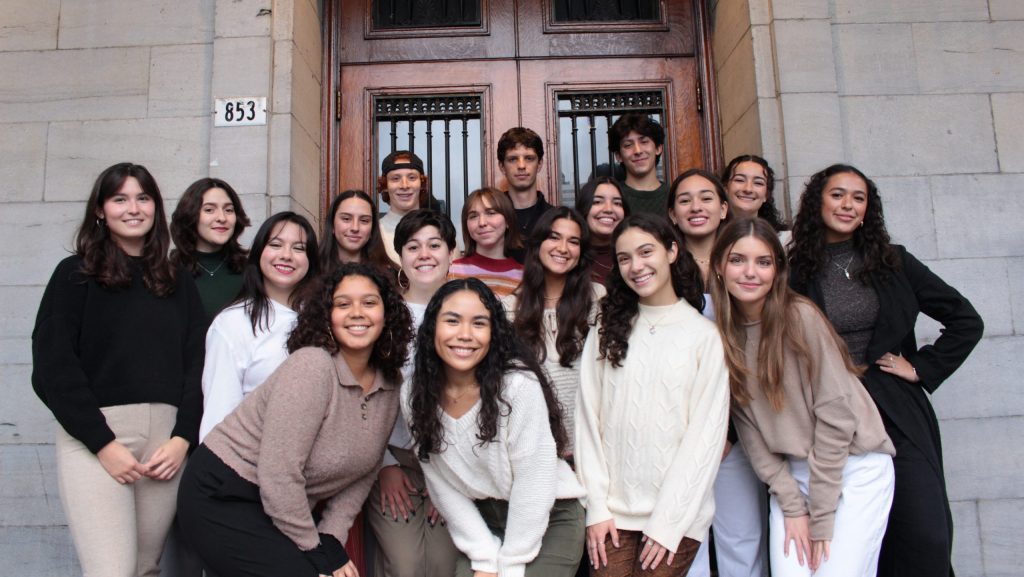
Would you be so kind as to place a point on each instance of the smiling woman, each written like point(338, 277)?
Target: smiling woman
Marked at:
point(315, 431)
point(246, 341)
point(352, 233)
point(649, 462)
point(489, 226)
point(489, 432)
point(117, 354)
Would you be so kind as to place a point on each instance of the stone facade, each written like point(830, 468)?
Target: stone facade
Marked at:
point(88, 84)
point(926, 97)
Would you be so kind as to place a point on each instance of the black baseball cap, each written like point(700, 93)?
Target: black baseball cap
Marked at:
point(409, 160)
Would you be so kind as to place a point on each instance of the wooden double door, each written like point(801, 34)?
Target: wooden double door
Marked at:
point(518, 66)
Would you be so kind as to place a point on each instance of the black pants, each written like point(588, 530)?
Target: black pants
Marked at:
point(919, 539)
point(222, 516)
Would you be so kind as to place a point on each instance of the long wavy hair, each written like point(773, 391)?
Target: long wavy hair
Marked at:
point(768, 210)
point(506, 353)
point(101, 256)
point(372, 252)
point(808, 254)
point(313, 327)
point(499, 201)
point(185, 220)
point(253, 292)
point(781, 328)
point(573, 310)
point(620, 307)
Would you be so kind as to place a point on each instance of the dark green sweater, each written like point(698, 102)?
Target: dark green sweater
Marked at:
point(219, 289)
point(96, 347)
point(652, 201)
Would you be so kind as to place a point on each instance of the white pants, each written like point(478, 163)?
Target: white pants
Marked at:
point(118, 530)
point(740, 502)
point(861, 517)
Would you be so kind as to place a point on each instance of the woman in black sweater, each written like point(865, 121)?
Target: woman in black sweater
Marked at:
point(118, 356)
point(872, 291)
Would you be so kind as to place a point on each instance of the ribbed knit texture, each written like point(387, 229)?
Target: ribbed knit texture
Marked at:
point(237, 361)
point(309, 434)
point(852, 306)
point(501, 275)
point(521, 467)
point(649, 201)
point(650, 434)
point(827, 415)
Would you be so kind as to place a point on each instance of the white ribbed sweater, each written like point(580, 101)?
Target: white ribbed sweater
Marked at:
point(521, 467)
point(650, 434)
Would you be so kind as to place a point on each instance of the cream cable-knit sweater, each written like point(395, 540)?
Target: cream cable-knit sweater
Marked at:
point(650, 434)
point(521, 467)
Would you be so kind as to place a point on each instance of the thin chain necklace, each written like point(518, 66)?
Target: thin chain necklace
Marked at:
point(845, 269)
point(217, 268)
point(653, 327)
point(454, 399)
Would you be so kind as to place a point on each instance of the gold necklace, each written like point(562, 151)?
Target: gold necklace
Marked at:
point(652, 327)
point(454, 399)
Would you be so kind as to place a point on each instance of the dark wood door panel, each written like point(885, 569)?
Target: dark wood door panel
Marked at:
point(540, 37)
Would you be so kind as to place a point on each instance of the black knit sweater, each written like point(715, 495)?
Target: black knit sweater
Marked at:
point(96, 347)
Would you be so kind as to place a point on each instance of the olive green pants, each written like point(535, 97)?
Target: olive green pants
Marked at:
point(560, 549)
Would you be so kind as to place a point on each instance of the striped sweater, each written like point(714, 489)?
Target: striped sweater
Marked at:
point(501, 275)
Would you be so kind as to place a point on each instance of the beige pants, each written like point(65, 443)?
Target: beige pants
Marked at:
point(118, 530)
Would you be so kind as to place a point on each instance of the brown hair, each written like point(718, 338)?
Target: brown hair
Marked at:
point(185, 220)
point(500, 202)
point(781, 328)
point(382, 183)
point(102, 258)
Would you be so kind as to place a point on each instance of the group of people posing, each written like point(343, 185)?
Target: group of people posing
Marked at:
point(588, 389)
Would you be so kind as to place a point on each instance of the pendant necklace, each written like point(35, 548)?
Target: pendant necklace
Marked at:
point(217, 268)
point(845, 269)
point(653, 327)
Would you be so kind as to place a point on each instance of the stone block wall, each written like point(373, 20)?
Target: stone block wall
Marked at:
point(926, 97)
point(88, 84)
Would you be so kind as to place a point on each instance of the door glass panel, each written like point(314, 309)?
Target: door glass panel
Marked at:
point(606, 10)
point(444, 131)
point(583, 122)
point(403, 14)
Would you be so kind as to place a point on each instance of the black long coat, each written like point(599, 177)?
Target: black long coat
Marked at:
point(901, 296)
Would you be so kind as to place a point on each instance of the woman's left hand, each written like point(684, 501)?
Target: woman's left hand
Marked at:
point(164, 463)
point(652, 554)
point(899, 366)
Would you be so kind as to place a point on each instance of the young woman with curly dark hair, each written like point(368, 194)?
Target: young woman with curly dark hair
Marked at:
point(810, 428)
point(488, 431)
point(205, 228)
point(872, 291)
point(750, 183)
point(117, 355)
point(697, 205)
point(411, 540)
point(652, 411)
point(601, 202)
point(352, 233)
point(315, 431)
point(246, 341)
point(556, 304)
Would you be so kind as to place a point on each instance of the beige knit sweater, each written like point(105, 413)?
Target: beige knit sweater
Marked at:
point(306, 435)
point(824, 419)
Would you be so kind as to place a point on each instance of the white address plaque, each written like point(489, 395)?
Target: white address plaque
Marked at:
point(247, 111)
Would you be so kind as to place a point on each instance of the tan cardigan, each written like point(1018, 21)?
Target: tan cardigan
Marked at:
point(306, 435)
point(824, 419)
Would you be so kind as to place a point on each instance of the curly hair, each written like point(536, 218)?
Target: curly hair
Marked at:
point(372, 252)
point(102, 258)
point(506, 353)
point(573, 310)
point(620, 307)
point(313, 327)
point(768, 210)
point(253, 292)
point(807, 254)
point(781, 328)
point(185, 220)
